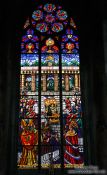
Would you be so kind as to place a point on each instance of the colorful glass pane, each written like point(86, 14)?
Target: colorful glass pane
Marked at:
point(50, 83)
point(29, 42)
point(61, 14)
point(50, 92)
point(37, 15)
point(42, 27)
point(49, 42)
point(70, 60)
point(50, 18)
point(69, 42)
point(69, 31)
point(50, 60)
point(28, 139)
point(55, 18)
point(57, 27)
point(50, 120)
point(28, 60)
point(50, 157)
point(28, 107)
point(27, 157)
point(71, 108)
point(49, 47)
point(73, 136)
point(49, 8)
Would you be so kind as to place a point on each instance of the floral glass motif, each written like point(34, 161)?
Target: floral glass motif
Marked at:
point(49, 46)
point(61, 14)
point(29, 42)
point(70, 42)
point(50, 93)
point(49, 8)
point(49, 18)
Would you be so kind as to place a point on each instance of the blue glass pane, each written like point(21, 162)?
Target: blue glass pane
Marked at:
point(29, 60)
point(70, 60)
point(49, 60)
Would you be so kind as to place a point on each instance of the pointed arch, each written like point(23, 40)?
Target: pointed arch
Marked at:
point(50, 116)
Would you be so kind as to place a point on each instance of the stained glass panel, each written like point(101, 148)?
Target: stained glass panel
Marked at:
point(37, 15)
point(29, 42)
point(49, 61)
point(29, 60)
point(51, 157)
point(49, 18)
point(69, 42)
point(61, 14)
point(27, 157)
point(49, 46)
point(49, 8)
point(28, 107)
point(50, 114)
point(28, 139)
point(70, 60)
point(50, 135)
point(50, 84)
point(50, 109)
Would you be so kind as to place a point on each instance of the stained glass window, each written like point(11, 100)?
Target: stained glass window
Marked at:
point(50, 115)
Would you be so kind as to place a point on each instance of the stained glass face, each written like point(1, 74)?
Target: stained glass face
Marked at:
point(50, 129)
point(61, 14)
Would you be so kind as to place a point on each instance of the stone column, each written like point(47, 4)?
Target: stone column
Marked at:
point(22, 81)
point(76, 80)
point(55, 82)
point(33, 83)
point(66, 82)
point(44, 82)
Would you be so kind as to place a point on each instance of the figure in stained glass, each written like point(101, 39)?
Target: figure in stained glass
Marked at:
point(50, 113)
point(72, 154)
point(29, 138)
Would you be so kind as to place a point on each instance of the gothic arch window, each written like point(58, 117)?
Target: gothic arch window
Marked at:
point(50, 116)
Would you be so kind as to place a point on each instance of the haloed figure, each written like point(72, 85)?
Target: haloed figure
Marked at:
point(72, 155)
